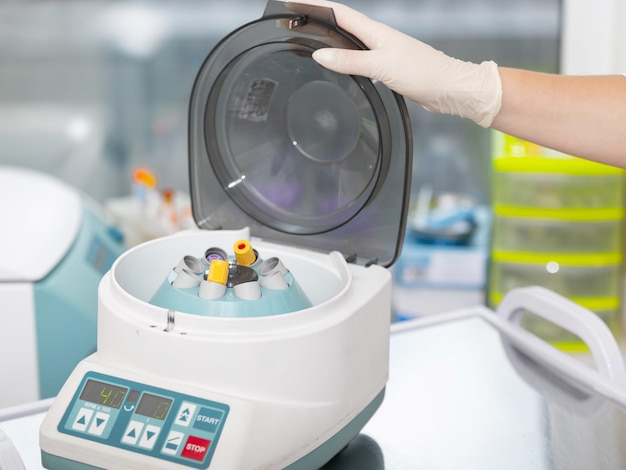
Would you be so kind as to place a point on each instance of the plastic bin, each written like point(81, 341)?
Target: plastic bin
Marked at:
point(570, 280)
point(544, 235)
point(547, 184)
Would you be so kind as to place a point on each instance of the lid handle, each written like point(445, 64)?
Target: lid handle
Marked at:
point(301, 11)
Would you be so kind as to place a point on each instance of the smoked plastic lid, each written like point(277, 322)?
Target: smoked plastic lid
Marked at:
point(302, 155)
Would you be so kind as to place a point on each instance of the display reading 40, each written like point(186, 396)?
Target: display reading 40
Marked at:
point(103, 393)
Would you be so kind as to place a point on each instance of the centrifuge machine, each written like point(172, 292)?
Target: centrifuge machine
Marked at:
point(260, 340)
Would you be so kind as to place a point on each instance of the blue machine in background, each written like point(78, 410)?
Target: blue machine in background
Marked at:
point(54, 248)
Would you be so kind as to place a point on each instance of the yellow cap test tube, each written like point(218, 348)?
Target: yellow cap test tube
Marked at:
point(244, 253)
point(218, 271)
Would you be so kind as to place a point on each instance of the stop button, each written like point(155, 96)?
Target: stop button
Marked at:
point(195, 448)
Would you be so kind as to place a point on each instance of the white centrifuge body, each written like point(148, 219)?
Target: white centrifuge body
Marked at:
point(288, 389)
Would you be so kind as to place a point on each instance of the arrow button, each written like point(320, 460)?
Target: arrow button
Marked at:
point(132, 432)
point(82, 419)
point(99, 424)
point(149, 437)
point(185, 414)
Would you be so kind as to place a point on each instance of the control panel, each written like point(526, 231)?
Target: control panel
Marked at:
point(145, 419)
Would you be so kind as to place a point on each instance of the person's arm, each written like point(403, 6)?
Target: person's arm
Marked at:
point(582, 116)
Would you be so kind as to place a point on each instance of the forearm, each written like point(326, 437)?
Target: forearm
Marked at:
point(581, 116)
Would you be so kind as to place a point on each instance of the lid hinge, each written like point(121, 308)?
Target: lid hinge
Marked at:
point(353, 258)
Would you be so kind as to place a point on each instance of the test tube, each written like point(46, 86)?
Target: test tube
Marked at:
point(244, 253)
point(185, 279)
point(214, 286)
point(190, 263)
point(215, 253)
point(248, 290)
point(275, 281)
point(272, 265)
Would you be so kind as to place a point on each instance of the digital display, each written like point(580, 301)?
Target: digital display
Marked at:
point(103, 393)
point(99, 256)
point(153, 406)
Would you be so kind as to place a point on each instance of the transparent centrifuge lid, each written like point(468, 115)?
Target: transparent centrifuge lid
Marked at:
point(298, 153)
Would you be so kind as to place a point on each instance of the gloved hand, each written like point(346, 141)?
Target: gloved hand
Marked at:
point(416, 70)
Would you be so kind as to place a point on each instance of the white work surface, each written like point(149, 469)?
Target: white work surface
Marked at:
point(455, 401)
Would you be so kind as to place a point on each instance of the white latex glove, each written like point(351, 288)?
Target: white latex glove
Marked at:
point(411, 68)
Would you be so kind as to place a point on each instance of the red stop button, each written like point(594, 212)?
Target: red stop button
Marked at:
point(195, 448)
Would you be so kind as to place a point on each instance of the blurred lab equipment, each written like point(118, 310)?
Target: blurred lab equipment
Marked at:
point(439, 273)
point(149, 211)
point(56, 245)
point(442, 219)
